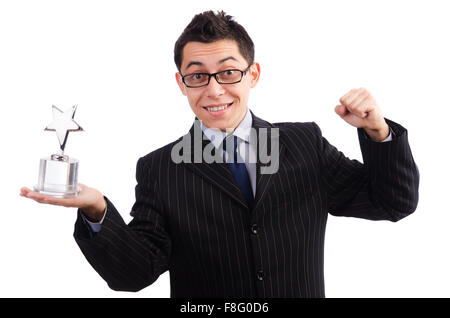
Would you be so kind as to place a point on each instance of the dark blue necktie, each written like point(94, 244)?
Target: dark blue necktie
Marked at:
point(240, 173)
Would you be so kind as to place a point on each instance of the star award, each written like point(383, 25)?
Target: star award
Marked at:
point(58, 174)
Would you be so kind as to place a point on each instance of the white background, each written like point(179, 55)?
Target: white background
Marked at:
point(115, 60)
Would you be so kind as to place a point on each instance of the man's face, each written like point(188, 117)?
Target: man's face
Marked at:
point(211, 58)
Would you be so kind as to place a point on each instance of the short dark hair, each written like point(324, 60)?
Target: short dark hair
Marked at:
point(208, 27)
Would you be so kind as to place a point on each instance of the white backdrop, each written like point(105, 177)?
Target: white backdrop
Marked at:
point(115, 60)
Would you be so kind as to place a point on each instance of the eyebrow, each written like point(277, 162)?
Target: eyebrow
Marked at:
point(220, 62)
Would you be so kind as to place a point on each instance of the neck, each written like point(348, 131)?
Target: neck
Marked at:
point(231, 129)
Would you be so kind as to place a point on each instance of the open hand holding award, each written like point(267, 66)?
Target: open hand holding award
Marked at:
point(58, 174)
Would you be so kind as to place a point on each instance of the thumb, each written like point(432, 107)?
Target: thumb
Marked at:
point(348, 117)
point(341, 110)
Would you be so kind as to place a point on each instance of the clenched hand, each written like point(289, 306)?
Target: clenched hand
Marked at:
point(359, 109)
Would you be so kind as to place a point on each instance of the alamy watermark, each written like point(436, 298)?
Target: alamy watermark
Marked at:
point(190, 149)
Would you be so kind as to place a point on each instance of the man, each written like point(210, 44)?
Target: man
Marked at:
point(228, 229)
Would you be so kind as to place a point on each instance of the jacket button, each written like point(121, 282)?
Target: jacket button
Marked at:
point(260, 275)
point(255, 229)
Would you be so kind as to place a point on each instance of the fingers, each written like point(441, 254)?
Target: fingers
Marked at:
point(349, 97)
point(24, 191)
point(47, 199)
point(358, 102)
point(350, 118)
point(341, 110)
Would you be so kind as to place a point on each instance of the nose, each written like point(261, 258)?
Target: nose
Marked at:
point(214, 89)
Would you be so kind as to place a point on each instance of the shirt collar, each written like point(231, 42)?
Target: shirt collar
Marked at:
point(242, 131)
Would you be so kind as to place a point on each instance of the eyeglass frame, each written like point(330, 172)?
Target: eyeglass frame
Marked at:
point(215, 76)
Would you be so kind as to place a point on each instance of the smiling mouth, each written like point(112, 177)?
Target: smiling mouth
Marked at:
point(217, 108)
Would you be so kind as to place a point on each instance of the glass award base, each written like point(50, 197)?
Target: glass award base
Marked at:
point(58, 175)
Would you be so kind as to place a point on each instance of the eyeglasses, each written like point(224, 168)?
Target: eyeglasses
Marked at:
point(232, 76)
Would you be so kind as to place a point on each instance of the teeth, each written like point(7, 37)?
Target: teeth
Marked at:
point(217, 108)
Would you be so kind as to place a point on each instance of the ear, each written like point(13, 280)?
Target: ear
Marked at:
point(254, 72)
point(180, 83)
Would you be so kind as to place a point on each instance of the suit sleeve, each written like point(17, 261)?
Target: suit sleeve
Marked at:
point(129, 257)
point(385, 187)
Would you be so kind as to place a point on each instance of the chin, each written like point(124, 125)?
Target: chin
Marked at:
point(221, 124)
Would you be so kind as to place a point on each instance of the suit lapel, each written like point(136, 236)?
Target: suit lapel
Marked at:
point(263, 181)
point(218, 174)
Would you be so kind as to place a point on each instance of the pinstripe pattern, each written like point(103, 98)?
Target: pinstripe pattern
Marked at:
point(192, 220)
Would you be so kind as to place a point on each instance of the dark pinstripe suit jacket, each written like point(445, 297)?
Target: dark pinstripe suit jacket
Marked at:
point(191, 219)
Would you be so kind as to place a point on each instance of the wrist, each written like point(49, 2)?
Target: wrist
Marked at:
point(378, 134)
point(94, 213)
